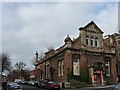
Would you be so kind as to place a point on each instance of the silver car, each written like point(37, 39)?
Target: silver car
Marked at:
point(14, 86)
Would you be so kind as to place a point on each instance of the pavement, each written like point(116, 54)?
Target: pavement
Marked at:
point(106, 86)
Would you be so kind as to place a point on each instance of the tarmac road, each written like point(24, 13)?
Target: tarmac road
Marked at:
point(25, 87)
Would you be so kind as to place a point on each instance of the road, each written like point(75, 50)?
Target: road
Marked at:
point(25, 87)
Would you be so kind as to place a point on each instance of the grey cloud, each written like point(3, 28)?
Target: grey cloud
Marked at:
point(36, 26)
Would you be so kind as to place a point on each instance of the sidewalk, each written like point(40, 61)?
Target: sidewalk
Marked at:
point(106, 86)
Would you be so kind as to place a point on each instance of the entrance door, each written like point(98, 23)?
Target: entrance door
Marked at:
point(98, 79)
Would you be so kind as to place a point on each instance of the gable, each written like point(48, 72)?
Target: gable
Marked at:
point(92, 28)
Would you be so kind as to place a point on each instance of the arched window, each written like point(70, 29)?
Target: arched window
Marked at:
point(96, 42)
point(92, 41)
point(87, 40)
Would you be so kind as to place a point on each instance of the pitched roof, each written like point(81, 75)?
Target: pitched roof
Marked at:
point(92, 22)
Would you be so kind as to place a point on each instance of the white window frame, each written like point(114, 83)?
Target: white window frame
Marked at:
point(76, 68)
point(96, 40)
point(60, 67)
point(92, 39)
point(87, 39)
point(108, 68)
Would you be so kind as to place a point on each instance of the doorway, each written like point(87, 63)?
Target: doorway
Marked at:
point(98, 79)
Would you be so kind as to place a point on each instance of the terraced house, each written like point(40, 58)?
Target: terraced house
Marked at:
point(89, 58)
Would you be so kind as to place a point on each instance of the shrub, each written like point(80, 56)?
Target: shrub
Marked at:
point(75, 83)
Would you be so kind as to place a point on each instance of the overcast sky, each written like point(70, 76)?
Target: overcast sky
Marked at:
point(28, 27)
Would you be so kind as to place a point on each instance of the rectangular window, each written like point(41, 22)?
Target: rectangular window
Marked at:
point(91, 41)
point(41, 74)
point(47, 70)
point(38, 73)
point(60, 67)
point(118, 44)
point(96, 44)
point(76, 69)
point(87, 41)
point(107, 66)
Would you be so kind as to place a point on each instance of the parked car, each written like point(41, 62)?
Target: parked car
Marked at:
point(32, 83)
point(117, 86)
point(14, 86)
point(40, 84)
point(24, 82)
point(52, 85)
point(18, 81)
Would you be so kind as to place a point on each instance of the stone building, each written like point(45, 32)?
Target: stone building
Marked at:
point(89, 57)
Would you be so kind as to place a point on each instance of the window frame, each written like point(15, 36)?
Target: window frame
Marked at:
point(60, 67)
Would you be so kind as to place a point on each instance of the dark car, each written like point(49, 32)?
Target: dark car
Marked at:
point(42, 84)
point(52, 85)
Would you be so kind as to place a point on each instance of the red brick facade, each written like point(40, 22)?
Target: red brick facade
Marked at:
point(90, 51)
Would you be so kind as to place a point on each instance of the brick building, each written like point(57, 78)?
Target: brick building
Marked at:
point(89, 57)
point(114, 42)
point(32, 74)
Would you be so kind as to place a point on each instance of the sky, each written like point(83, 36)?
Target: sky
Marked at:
point(28, 27)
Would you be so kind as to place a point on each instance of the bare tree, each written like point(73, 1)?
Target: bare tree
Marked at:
point(20, 66)
point(15, 74)
point(6, 63)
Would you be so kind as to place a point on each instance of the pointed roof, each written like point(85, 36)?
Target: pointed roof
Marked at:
point(92, 22)
point(115, 34)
